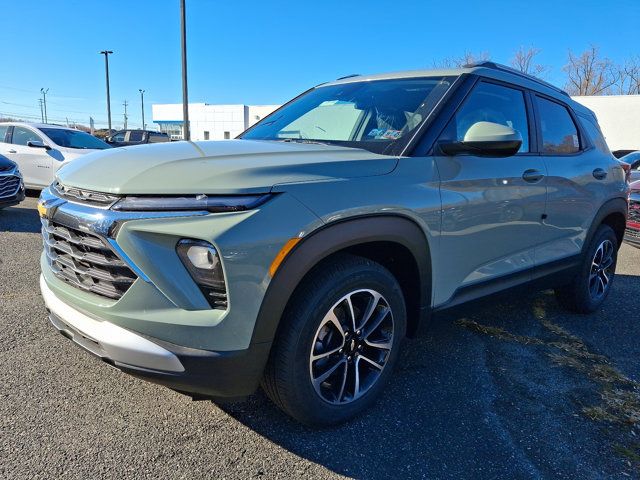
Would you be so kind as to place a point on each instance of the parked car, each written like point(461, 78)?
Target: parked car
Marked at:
point(632, 234)
point(136, 137)
point(11, 186)
point(633, 159)
point(41, 149)
point(300, 255)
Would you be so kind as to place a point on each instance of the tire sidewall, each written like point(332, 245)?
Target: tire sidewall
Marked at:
point(370, 276)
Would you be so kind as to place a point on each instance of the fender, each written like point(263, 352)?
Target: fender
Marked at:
point(614, 205)
point(333, 238)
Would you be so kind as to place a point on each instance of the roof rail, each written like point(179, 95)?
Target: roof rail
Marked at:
point(348, 76)
point(513, 71)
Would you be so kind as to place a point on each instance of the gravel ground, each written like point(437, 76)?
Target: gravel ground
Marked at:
point(510, 388)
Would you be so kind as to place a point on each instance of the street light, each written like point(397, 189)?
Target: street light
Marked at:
point(44, 96)
point(185, 96)
point(106, 54)
point(142, 103)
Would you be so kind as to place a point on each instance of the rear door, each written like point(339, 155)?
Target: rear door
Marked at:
point(36, 164)
point(491, 207)
point(576, 181)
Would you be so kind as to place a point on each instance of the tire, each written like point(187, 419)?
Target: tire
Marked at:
point(317, 324)
point(592, 283)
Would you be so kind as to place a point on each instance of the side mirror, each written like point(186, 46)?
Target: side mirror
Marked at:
point(486, 139)
point(38, 145)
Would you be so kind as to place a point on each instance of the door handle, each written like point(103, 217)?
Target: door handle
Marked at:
point(12, 151)
point(532, 175)
point(599, 174)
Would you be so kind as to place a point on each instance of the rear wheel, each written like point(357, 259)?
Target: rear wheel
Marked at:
point(338, 341)
point(593, 282)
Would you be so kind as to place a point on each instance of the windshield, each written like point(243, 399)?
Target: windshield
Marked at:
point(74, 139)
point(374, 115)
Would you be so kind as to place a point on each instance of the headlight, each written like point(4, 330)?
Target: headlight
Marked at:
point(203, 263)
point(196, 203)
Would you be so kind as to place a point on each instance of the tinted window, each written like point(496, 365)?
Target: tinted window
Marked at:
point(595, 135)
point(74, 139)
point(119, 137)
point(559, 133)
point(491, 103)
point(135, 136)
point(373, 115)
point(3, 132)
point(21, 136)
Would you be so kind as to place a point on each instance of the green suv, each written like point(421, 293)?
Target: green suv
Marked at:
point(300, 255)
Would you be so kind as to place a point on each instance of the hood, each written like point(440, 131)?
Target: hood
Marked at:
point(223, 167)
point(6, 164)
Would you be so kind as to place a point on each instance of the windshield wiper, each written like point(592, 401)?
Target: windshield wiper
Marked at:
point(303, 140)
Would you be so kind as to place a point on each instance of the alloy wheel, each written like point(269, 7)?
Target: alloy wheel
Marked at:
point(351, 346)
point(601, 272)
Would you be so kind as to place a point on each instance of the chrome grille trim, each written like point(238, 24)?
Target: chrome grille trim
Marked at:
point(88, 197)
point(85, 261)
point(9, 185)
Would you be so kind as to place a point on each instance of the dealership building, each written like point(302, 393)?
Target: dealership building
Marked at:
point(619, 117)
point(208, 122)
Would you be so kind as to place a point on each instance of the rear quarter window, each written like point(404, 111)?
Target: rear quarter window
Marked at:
point(3, 133)
point(595, 134)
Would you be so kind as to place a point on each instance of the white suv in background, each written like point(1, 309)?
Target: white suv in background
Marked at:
point(41, 149)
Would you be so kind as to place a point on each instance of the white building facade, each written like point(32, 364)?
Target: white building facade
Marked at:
point(208, 122)
point(619, 119)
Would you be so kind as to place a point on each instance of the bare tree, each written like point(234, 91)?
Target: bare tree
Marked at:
point(465, 59)
point(524, 61)
point(628, 77)
point(590, 74)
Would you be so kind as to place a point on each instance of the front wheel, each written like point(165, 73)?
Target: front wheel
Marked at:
point(338, 341)
point(593, 282)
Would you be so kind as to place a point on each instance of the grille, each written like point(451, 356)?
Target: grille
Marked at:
point(84, 196)
point(634, 210)
point(9, 185)
point(85, 261)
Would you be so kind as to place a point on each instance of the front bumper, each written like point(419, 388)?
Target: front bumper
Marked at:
point(187, 370)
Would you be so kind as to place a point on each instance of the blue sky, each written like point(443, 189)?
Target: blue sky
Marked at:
point(263, 52)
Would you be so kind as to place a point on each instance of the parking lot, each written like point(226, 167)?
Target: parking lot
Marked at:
point(512, 387)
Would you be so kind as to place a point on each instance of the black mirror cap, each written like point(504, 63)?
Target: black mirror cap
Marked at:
point(38, 145)
point(500, 149)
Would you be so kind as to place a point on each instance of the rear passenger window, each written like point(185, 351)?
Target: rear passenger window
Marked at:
point(559, 133)
point(135, 136)
point(489, 102)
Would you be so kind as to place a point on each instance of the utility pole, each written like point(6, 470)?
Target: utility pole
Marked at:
point(125, 114)
point(106, 54)
point(41, 111)
point(142, 103)
point(44, 96)
point(185, 96)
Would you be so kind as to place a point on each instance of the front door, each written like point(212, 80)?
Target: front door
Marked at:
point(36, 164)
point(491, 207)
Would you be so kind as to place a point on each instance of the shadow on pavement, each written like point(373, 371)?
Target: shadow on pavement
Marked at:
point(465, 403)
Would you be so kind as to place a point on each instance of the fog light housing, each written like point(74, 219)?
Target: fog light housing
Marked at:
point(202, 261)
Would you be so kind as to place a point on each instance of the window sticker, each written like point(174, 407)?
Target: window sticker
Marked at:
point(392, 134)
point(386, 134)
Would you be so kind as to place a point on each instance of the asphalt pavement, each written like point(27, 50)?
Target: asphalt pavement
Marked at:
point(513, 387)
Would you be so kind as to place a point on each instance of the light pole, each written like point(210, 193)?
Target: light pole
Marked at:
point(142, 103)
point(185, 95)
point(44, 96)
point(106, 54)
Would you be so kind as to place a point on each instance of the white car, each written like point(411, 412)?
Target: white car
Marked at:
point(41, 149)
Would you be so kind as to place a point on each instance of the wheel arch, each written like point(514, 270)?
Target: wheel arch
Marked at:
point(612, 213)
point(365, 236)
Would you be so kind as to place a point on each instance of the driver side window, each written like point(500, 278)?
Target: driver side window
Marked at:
point(489, 102)
point(22, 136)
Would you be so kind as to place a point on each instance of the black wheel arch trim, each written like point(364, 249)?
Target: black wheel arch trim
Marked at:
point(330, 239)
point(614, 205)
